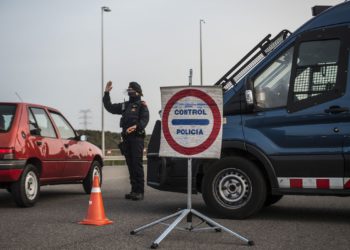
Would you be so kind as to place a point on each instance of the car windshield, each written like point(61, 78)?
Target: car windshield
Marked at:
point(7, 113)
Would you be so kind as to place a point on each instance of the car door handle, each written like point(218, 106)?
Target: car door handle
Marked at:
point(39, 143)
point(336, 110)
point(66, 145)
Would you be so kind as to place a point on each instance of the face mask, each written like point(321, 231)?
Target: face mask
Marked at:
point(131, 92)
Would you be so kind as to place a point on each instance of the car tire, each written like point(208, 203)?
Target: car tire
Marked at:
point(234, 188)
point(95, 169)
point(272, 199)
point(26, 190)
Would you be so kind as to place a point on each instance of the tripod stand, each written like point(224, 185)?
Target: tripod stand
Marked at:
point(188, 212)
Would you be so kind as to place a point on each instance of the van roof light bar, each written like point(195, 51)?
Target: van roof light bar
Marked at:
point(318, 9)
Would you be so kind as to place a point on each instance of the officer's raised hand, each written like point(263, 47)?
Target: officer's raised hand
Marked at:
point(108, 86)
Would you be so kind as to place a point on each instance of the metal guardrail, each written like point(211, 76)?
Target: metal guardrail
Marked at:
point(119, 158)
point(115, 155)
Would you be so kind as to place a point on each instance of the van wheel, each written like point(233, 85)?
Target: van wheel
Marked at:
point(272, 199)
point(95, 169)
point(27, 189)
point(234, 188)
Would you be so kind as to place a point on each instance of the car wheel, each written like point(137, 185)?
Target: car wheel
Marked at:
point(272, 199)
point(95, 169)
point(234, 188)
point(27, 189)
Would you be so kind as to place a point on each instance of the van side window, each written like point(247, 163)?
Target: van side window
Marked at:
point(320, 67)
point(271, 86)
point(316, 68)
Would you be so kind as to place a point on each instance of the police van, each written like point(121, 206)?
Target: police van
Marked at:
point(286, 123)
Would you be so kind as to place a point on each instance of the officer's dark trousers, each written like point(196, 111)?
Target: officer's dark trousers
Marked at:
point(133, 156)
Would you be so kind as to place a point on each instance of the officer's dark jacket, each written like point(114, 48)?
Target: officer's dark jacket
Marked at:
point(133, 113)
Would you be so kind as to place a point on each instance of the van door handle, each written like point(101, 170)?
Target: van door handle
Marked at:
point(39, 143)
point(336, 110)
point(66, 145)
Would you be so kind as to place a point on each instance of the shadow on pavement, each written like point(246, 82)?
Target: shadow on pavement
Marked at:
point(276, 212)
point(6, 200)
point(305, 214)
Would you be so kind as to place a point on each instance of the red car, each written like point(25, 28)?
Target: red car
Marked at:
point(38, 147)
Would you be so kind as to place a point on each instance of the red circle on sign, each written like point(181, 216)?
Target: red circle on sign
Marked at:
point(216, 127)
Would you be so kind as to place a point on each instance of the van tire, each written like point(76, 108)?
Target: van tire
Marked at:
point(88, 181)
point(26, 190)
point(234, 187)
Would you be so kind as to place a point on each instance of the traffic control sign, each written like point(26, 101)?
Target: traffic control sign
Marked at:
point(191, 122)
point(191, 128)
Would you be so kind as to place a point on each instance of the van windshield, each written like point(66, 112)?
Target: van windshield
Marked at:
point(7, 113)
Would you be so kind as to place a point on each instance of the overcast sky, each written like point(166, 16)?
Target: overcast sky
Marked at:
point(50, 51)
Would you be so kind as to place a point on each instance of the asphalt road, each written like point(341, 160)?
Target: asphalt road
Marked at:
point(296, 222)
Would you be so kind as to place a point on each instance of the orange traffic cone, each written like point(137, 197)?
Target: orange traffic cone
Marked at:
point(96, 212)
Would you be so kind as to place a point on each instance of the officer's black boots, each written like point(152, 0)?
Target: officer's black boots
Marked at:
point(134, 196)
point(129, 195)
point(137, 197)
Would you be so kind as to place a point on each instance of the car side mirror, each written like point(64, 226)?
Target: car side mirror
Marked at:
point(35, 131)
point(82, 138)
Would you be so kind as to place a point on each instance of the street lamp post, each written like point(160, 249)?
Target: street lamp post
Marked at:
point(103, 9)
point(200, 47)
point(190, 78)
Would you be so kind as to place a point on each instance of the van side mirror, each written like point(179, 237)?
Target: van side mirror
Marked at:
point(249, 96)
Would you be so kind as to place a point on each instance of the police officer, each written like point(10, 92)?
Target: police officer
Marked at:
point(133, 122)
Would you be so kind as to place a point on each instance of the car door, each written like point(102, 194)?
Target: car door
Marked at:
point(304, 136)
point(77, 163)
point(44, 143)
